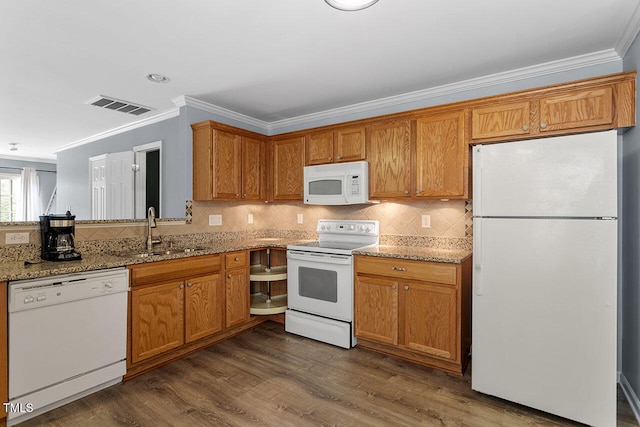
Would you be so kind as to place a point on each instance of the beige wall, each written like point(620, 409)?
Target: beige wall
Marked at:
point(448, 218)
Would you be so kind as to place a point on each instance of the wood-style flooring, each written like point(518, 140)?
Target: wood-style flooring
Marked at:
point(266, 377)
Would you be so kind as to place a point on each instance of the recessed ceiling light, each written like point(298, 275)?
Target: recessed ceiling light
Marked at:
point(157, 78)
point(350, 4)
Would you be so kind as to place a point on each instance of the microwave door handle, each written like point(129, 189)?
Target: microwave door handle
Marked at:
point(345, 187)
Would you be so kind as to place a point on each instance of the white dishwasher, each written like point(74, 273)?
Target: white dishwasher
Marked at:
point(67, 339)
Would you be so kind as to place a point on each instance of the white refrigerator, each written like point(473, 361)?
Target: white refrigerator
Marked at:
point(545, 274)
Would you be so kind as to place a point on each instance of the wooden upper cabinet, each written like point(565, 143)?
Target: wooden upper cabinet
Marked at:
point(577, 109)
point(227, 166)
point(389, 157)
point(288, 167)
point(253, 169)
point(441, 156)
point(350, 144)
point(319, 148)
point(501, 120)
point(334, 146)
point(228, 163)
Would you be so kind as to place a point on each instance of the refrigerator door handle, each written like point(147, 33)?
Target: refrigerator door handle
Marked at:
point(477, 257)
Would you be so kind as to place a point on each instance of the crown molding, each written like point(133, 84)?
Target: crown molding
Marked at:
point(629, 33)
point(29, 159)
point(184, 100)
point(566, 64)
point(168, 114)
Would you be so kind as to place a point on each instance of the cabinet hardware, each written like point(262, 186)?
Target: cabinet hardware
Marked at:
point(543, 125)
point(237, 195)
point(338, 157)
point(406, 191)
point(393, 287)
point(181, 286)
point(236, 259)
point(244, 195)
point(329, 158)
point(189, 284)
point(229, 276)
point(406, 288)
point(399, 268)
point(525, 128)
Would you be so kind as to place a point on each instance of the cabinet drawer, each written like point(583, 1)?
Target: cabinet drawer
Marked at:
point(235, 259)
point(151, 272)
point(405, 269)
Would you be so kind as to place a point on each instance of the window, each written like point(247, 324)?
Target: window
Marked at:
point(9, 194)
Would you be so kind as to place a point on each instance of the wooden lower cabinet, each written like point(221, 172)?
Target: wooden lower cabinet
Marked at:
point(237, 288)
point(415, 310)
point(182, 305)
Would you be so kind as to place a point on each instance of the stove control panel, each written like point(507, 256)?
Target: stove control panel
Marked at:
point(362, 227)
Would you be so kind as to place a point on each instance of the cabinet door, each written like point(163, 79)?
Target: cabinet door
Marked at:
point(202, 163)
point(389, 156)
point(430, 319)
point(238, 297)
point(319, 149)
point(376, 309)
point(204, 308)
point(157, 319)
point(350, 144)
point(501, 120)
point(288, 164)
point(253, 168)
point(441, 152)
point(227, 165)
point(577, 109)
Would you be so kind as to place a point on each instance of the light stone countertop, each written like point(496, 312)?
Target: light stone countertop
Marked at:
point(17, 270)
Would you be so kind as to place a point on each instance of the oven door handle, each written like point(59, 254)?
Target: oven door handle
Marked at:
point(318, 257)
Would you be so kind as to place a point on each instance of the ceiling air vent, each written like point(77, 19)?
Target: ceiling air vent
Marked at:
point(119, 105)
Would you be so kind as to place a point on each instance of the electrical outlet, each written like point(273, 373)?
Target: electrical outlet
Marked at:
point(300, 219)
point(16, 238)
point(250, 219)
point(215, 219)
point(426, 221)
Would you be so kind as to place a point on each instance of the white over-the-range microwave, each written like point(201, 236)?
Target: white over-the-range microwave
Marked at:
point(337, 184)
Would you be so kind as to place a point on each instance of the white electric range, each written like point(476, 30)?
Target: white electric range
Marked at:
point(320, 280)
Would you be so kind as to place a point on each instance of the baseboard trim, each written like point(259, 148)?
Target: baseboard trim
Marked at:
point(631, 396)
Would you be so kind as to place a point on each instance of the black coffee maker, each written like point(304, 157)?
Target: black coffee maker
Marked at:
point(58, 233)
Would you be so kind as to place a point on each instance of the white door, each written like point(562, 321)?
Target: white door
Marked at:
point(120, 185)
point(544, 315)
point(97, 170)
point(568, 176)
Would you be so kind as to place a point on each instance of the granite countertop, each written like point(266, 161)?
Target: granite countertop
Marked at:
point(417, 253)
point(17, 270)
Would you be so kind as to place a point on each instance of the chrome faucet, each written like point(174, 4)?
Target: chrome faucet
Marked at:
point(151, 223)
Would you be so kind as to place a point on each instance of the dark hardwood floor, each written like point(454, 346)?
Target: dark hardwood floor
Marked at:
point(266, 377)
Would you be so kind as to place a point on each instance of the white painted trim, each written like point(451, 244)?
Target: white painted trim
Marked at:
point(629, 33)
point(98, 157)
point(631, 396)
point(168, 114)
point(184, 100)
point(301, 122)
point(157, 145)
point(28, 159)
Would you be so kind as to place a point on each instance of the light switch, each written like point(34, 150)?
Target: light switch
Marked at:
point(250, 218)
point(426, 221)
point(300, 219)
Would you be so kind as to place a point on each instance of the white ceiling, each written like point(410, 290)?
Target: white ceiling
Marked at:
point(271, 61)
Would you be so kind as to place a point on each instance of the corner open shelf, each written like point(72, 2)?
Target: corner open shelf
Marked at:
point(263, 302)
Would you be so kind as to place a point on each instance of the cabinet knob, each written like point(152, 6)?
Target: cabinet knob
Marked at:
point(393, 287)
point(399, 268)
point(525, 127)
point(189, 284)
point(181, 286)
point(543, 125)
point(237, 195)
point(229, 276)
point(236, 259)
point(338, 157)
point(418, 191)
point(406, 288)
point(329, 158)
point(406, 191)
point(244, 195)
